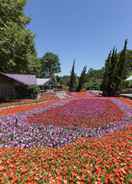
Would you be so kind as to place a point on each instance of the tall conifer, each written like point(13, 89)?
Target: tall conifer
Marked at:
point(73, 79)
point(115, 72)
point(82, 79)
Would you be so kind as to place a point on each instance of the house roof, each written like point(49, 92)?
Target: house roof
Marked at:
point(23, 78)
point(26, 79)
point(129, 78)
point(42, 82)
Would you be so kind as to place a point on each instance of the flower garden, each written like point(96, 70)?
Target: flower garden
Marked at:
point(81, 138)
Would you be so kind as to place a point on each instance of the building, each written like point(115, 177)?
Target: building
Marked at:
point(19, 85)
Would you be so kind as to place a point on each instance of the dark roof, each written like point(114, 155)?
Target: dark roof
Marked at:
point(25, 79)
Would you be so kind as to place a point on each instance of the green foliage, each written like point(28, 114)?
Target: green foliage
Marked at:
point(93, 85)
point(115, 72)
point(34, 91)
point(34, 65)
point(27, 92)
point(63, 82)
point(50, 64)
point(129, 62)
point(12, 11)
point(108, 81)
point(73, 79)
point(82, 79)
point(95, 74)
point(129, 84)
point(94, 79)
point(17, 51)
point(125, 84)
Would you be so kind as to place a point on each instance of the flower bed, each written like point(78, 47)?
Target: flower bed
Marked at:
point(14, 109)
point(69, 119)
point(84, 113)
point(26, 105)
point(23, 135)
point(50, 142)
point(104, 160)
point(126, 101)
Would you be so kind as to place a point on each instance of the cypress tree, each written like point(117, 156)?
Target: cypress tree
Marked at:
point(106, 78)
point(112, 84)
point(82, 79)
point(121, 69)
point(73, 79)
point(109, 77)
point(115, 72)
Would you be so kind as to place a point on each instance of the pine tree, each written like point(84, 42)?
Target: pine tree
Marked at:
point(73, 79)
point(82, 79)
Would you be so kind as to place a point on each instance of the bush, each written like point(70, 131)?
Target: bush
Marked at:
point(34, 91)
point(93, 85)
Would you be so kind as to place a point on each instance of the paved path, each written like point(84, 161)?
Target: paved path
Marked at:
point(127, 95)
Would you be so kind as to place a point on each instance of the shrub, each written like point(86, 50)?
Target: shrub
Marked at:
point(93, 85)
point(34, 91)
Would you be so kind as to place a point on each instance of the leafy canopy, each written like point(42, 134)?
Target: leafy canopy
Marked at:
point(17, 50)
point(50, 64)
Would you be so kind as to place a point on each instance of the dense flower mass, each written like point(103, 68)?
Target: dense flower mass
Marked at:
point(126, 101)
point(14, 108)
point(66, 138)
point(104, 160)
point(85, 113)
point(57, 122)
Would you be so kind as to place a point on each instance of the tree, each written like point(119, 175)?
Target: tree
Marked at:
point(64, 81)
point(34, 66)
point(82, 79)
point(50, 65)
point(95, 73)
point(115, 72)
point(17, 50)
point(73, 79)
point(129, 61)
point(108, 80)
point(12, 11)
point(121, 69)
point(94, 79)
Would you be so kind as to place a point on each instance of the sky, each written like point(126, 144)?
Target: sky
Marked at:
point(84, 30)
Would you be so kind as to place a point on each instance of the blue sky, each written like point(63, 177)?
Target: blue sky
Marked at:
point(84, 30)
